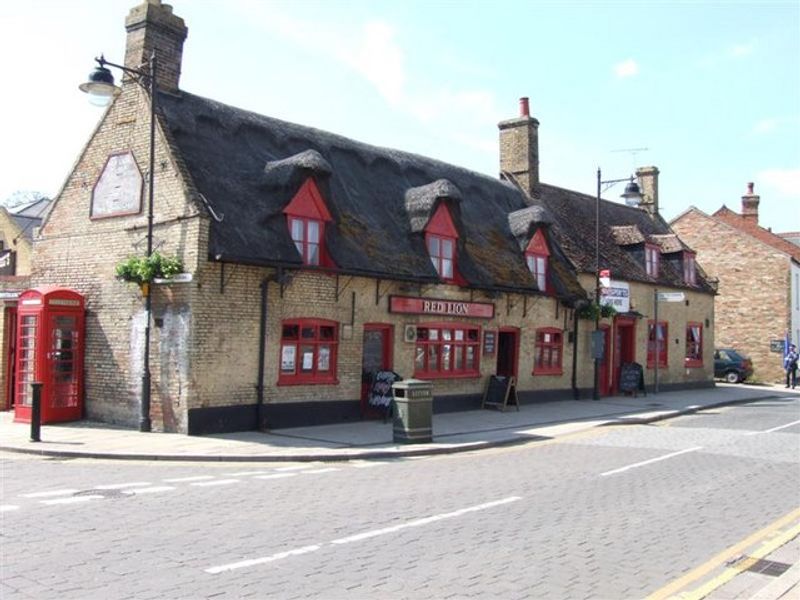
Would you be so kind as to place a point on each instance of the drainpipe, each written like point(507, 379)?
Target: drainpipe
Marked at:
point(575, 393)
point(262, 345)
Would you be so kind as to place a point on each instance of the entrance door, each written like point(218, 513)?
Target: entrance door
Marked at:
point(11, 356)
point(624, 346)
point(63, 364)
point(507, 352)
point(376, 356)
point(605, 362)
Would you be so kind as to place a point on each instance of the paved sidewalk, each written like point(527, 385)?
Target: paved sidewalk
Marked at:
point(452, 432)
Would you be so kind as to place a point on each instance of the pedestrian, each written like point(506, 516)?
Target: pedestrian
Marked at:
point(790, 365)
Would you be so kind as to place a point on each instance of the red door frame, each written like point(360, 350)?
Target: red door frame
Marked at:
point(513, 357)
point(624, 346)
point(386, 362)
point(10, 342)
point(605, 383)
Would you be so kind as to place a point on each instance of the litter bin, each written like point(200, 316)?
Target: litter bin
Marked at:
point(413, 413)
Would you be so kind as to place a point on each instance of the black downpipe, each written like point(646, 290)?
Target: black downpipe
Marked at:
point(575, 393)
point(262, 347)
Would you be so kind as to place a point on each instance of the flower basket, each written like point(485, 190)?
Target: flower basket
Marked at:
point(143, 270)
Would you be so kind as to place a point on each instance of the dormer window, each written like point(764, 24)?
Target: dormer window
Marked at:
point(689, 269)
point(537, 255)
point(651, 259)
point(440, 238)
point(306, 215)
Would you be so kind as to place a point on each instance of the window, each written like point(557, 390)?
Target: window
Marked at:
point(447, 351)
point(548, 352)
point(651, 258)
point(536, 256)
point(694, 345)
point(442, 252)
point(306, 237)
point(308, 352)
point(306, 215)
point(689, 269)
point(657, 343)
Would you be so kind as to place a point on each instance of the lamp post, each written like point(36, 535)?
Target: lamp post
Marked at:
point(101, 90)
point(632, 196)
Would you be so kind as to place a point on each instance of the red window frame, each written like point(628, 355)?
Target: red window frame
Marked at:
point(308, 352)
point(694, 345)
point(663, 346)
point(305, 214)
point(447, 350)
point(689, 269)
point(300, 228)
point(537, 256)
point(548, 352)
point(652, 259)
point(444, 261)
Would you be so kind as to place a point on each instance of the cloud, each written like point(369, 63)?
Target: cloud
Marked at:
point(785, 181)
point(627, 68)
point(772, 124)
point(741, 50)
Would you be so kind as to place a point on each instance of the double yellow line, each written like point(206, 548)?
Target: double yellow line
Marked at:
point(777, 539)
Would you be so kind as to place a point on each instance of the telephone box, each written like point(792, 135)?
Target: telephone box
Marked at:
point(50, 322)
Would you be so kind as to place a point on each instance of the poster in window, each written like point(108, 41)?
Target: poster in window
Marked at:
point(324, 359)
point(489, 341)
point(288, 354)
point(308, 361)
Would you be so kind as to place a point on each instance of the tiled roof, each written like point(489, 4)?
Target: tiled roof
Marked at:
point(751, 227)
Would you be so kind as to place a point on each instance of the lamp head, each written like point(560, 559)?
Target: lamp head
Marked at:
point(632, 193)
point(100, 86)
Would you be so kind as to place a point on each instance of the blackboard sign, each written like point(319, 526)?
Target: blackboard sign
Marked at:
point(489, 339)
point(777, 346)
point(500, 392)
point(631, 378)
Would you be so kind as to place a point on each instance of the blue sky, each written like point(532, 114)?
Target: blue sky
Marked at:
point(711, 89)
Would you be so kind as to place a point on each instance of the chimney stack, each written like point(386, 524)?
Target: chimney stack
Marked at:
point(750, 204)
point(648, 183)
point(151, 26)
point(519, 149)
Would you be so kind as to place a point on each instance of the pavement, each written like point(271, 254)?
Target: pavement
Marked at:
point(452, 432)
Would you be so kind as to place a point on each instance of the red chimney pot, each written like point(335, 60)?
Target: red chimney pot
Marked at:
point(524, 108)
point(750, 188)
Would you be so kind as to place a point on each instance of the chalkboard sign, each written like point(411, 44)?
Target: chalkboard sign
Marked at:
point(631, 378)
point(380, 393)
point(500, 392)
point(777, 346)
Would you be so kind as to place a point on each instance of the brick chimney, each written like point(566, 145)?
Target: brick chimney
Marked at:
point(648, 184)
point(152, 26)
point(750, 205)
point(519, 148)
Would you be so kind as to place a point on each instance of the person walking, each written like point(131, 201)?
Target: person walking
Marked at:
point(790, 365)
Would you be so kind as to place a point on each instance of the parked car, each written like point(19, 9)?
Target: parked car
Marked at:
point(731, 365)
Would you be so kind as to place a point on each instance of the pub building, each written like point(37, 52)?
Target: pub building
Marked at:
point(315, 261)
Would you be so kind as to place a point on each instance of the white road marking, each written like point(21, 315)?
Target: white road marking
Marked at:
point(261, 561)
point(73, 500)
point(294, 468)
point(318, 471)
point(185, 479)
point(367, 463)
point(245, 473)
point(8, 507)
point(47, 494)
point(774, 428)
point(215, 482)
point(122, 486)
point(149, 490)
point(275, 476)
point(652, 460)
point(358, 537)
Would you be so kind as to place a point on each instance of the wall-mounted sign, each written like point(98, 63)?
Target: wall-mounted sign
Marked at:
point(118, 190)
point(777, 346)
point(671, 297)
point(435, 306)
point(489, 341)
point(618, 295)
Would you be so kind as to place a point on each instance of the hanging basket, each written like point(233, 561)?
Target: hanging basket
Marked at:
point(143, 269)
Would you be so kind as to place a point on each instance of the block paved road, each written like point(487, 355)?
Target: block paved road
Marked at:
point(617, 512)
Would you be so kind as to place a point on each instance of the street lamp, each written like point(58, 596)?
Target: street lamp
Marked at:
point(632, 196)
point(101, 90)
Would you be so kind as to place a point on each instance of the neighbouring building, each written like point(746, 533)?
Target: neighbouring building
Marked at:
point(17, 227)
point(759, 281)
point(317, 260)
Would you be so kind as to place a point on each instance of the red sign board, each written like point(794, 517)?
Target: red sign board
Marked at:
point(436, 306)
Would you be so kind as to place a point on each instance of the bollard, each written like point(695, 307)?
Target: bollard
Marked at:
point(36, 411)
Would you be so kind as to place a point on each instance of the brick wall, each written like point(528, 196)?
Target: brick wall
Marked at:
point(752, 307)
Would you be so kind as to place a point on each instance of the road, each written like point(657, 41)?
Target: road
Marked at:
point(615, 512)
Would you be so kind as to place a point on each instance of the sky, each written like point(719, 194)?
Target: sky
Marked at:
point(709, 92)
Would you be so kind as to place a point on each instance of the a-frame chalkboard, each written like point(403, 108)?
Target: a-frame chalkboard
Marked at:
point(631, 379)
point(500, 392)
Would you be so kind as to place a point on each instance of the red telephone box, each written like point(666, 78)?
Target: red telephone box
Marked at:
point(50, 322)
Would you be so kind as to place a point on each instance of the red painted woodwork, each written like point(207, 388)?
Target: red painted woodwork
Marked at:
point(624, 347)
point(434, 306)
point(50, 350)
point(308, 203)
point(376, 355)
point(10, 320)
point(538, 244)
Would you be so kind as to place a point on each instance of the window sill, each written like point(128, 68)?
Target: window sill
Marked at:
point(693, 364)
point(470, 375)
point(541, 372)
point(307, 381)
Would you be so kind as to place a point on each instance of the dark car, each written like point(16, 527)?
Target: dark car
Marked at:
point(731, 366)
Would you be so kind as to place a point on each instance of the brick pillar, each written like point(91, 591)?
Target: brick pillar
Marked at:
point(648, 183)
point(519, 149)
point(152, 26)
point(750, 204)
